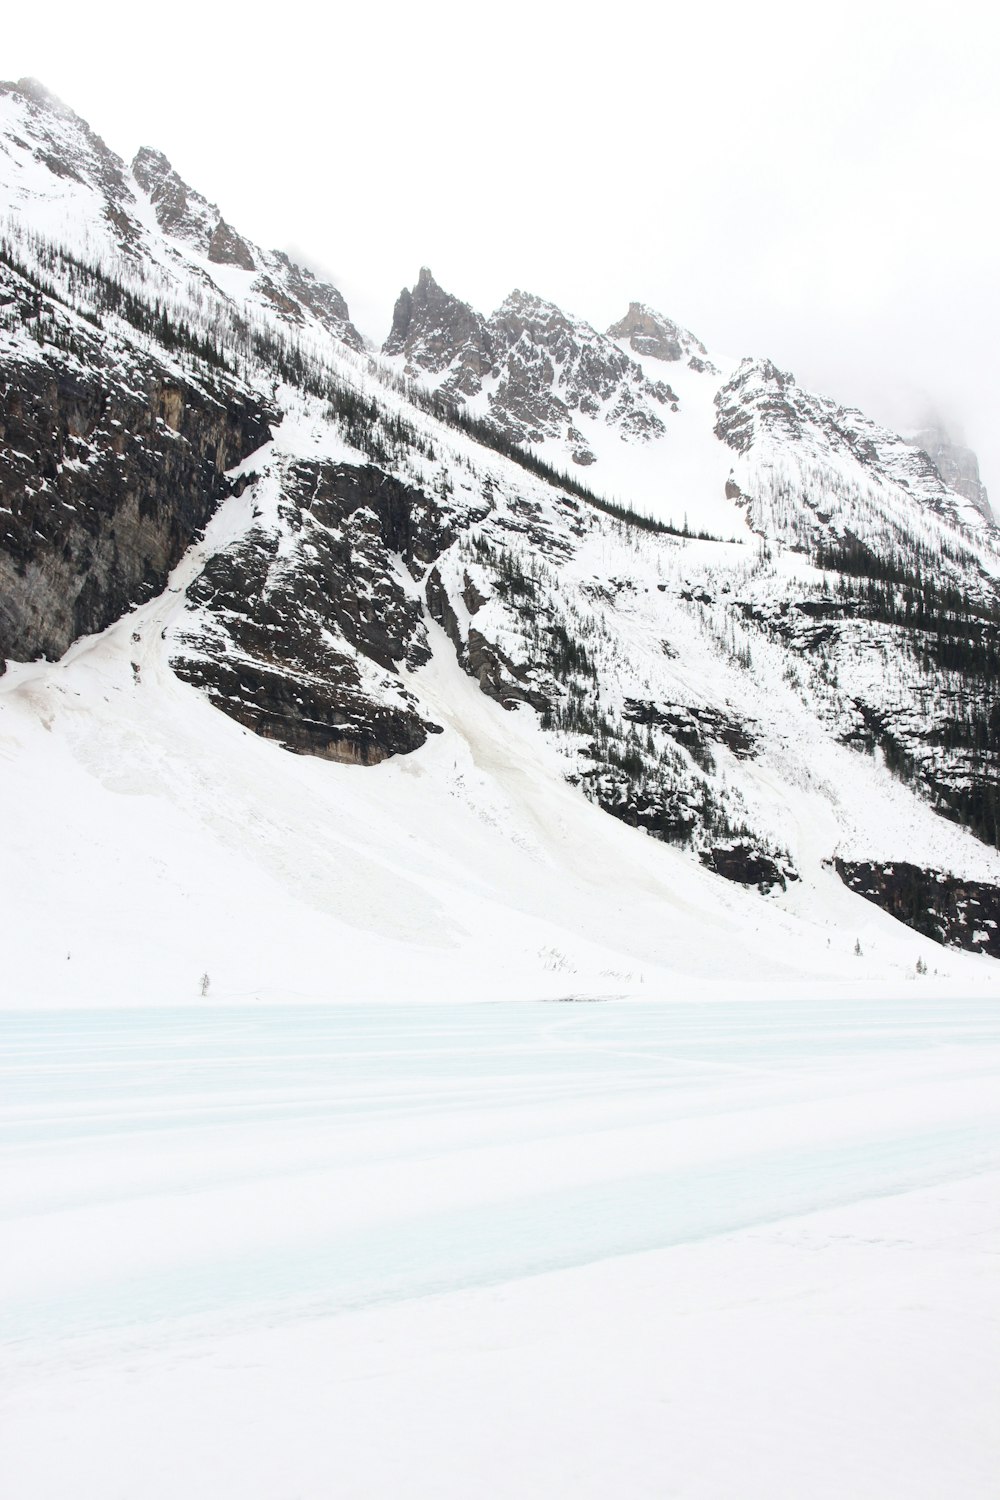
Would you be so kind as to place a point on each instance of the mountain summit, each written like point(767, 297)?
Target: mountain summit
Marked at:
point(651, 334)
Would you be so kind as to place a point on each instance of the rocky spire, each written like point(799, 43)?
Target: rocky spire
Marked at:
point(437, 332)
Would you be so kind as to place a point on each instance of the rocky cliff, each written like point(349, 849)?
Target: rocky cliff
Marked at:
point(300, 628)
point(957, 466)
point(114, 461)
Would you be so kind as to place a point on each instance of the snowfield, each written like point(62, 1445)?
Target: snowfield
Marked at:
point(515, 1250)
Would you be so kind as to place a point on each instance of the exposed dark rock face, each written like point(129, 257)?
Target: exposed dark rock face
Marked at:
point(507, 682)
point(681, 809)
point(650, 334)
point(298, 631)
point(671, 815)
point(437, 332)
point(109, 468)
point(472, 597)
point(186, 215)
point(692, 725)
point(745, 864)
point(958, 913)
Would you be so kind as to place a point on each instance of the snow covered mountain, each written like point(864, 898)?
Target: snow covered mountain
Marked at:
point(531, 369)
point(506, 578)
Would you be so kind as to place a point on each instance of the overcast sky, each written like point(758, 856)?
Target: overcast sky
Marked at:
point(814, 184)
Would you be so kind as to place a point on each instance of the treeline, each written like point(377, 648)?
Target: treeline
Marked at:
point(853, 558)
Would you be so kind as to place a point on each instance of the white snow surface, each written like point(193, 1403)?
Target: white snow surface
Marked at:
point(520, 1251)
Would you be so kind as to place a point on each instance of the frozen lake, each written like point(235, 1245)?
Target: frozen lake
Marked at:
point(225, 1174)
point(171, 1164)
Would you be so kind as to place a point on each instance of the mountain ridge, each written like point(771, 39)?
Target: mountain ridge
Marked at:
point(179, 404)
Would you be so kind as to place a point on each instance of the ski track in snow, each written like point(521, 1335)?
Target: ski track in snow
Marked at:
point(242, 1202)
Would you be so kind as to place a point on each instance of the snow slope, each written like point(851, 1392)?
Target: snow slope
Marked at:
point(187, 845)
point(152, 840)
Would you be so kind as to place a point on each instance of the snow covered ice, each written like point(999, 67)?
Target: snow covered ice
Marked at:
point(516, 1250)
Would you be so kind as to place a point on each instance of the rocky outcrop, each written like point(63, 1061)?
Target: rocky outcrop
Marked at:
point(305, 290)
point(437, 334)
point(109, 469)
point(507, 682)
point(958, 466)
point(650, 334)
point(694, 726)
point(672, 814)
point(186, 215)
point(298, 630)
point(553, 370)
point(839, 469)
point(56, 138)
point(745, 864)
point(958, 913)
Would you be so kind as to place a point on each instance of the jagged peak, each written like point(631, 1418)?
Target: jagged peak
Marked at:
point(153, 171)
point(651, 333)
point(528, 313)
point(765, 370)
point(188, 215)
point(47, 103)
point(520, 300)
point(427, 288)
point(148, 160)
point(72, 154)
point(438, 321)
point(33, 89)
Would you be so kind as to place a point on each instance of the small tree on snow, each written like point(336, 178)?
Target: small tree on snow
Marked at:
point(205, 981)
point(857, 947)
